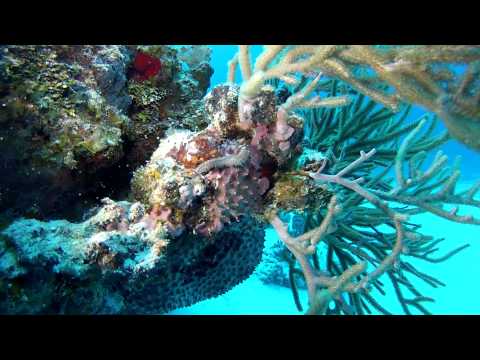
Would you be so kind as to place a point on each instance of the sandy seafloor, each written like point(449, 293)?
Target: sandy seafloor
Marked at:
point(461, 274)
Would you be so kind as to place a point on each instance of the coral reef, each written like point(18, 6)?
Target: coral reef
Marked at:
point(417, 74)
point(194, 184)
point(364, 255)
point(75, 117)
point(115, 263)
point(224, 166)
point(170, 97)
point(206, 179)
point(198, 186)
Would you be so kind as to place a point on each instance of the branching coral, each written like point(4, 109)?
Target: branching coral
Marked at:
point(422, 75)
point(340, 134)
point(323, 288)
point(349, 243)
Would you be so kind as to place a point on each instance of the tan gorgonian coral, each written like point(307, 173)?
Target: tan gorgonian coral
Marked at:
point(388, 75)
point(420, 74)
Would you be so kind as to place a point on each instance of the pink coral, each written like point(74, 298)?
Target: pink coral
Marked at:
point(162, 214)
point(237, 191)
point(223, 172)
point(259, 133)
point(282, 130)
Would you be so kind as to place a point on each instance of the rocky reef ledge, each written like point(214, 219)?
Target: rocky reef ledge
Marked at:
point(113, 264)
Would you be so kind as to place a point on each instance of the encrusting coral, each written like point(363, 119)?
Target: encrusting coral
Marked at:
point(206, 179)
point(75, 117)
point(118, 262)
point(194, 225)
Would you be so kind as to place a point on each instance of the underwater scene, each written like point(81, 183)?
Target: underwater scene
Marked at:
point(240, 180)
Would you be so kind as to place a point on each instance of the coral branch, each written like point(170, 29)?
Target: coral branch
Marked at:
point(232, 67)
point(319, 297)
point(355, 186)
point(237, 160)
point(413, 74)
point(244, 61)
point(264, 60)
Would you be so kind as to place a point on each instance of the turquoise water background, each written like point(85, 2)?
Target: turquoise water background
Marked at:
point(460, 273)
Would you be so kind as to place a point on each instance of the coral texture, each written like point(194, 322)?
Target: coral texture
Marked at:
point(115, 263)
point(222, 167)
point(207, 179)
point(389, 76)
point(75, 120)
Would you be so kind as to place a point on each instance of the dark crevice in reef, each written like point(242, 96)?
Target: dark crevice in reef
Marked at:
point(56, 203)
point(50, 195)
point(53, 197)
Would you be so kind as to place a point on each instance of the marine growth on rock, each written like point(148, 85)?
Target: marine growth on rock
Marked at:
point(179, 185)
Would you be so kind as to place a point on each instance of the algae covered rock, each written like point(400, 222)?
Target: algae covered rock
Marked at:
point(196, 228)
point(75, 120)
point(115, 262)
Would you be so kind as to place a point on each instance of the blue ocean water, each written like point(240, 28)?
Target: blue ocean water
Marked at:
point(460, 273)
